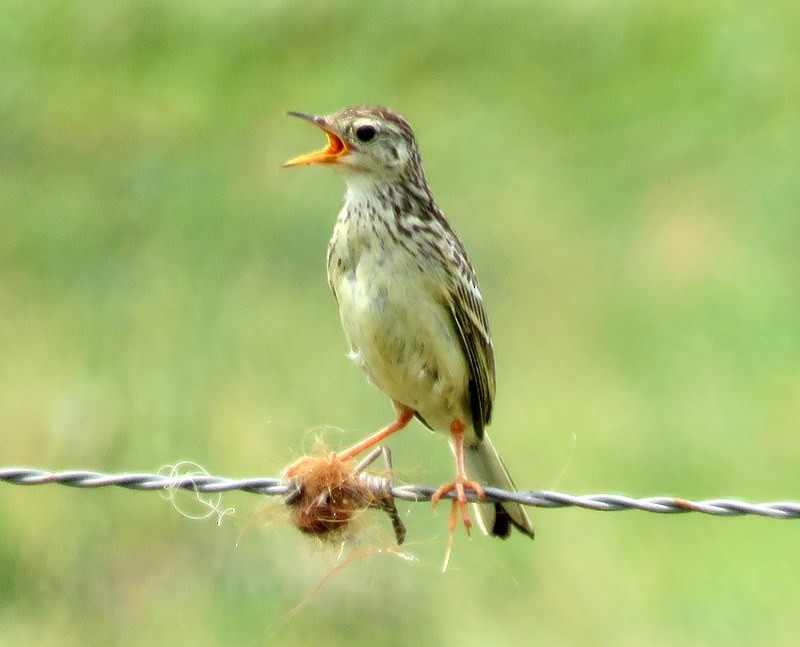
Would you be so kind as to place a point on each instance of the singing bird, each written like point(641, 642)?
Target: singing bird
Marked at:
point(410, 305)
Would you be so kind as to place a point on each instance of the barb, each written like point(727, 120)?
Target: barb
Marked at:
point(411, 493)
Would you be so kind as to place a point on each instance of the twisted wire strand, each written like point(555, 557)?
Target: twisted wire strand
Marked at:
point(412, 493)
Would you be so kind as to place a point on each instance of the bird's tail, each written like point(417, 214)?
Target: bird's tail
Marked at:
point(484, 465)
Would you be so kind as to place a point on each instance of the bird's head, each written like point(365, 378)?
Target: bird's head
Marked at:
point(367, 141)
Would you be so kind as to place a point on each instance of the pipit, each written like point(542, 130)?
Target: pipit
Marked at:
point(410, 305)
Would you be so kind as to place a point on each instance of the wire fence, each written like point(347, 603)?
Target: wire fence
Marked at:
point(272, 486)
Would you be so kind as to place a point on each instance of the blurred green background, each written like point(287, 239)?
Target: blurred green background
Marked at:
point(626, 176)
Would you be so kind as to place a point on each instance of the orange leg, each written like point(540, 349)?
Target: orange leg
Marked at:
point(404, 416)
point(460, 485)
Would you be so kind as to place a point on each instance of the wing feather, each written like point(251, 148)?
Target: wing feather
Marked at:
point(469, 316)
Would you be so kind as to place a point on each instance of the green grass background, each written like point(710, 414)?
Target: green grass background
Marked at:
point(626, 176)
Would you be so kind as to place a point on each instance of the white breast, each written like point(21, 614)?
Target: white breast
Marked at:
point(399, 330)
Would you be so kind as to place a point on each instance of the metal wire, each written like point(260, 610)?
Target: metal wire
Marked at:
point(413, 493)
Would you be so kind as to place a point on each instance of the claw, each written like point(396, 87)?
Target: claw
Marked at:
point(459, 503)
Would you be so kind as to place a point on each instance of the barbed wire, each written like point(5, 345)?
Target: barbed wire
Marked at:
point(201, 482)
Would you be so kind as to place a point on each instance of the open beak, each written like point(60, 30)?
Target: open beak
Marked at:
point(335, 149)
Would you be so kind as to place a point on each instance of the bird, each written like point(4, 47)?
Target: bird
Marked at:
point(410, 305)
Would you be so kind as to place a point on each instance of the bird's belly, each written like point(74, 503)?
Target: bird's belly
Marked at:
point(404, 339)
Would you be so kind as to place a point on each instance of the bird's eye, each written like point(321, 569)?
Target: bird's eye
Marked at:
point(365, 133)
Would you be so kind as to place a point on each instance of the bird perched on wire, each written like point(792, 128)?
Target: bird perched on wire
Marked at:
point(410, 304)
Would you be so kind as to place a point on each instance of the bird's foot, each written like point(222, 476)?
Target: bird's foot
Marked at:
point(459, 503)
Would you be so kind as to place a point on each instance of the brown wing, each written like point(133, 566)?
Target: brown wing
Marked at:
point(469, 316)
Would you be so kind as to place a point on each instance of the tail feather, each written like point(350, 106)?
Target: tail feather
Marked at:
point(484, 464)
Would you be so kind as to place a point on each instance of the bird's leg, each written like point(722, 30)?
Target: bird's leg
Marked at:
point(460, 485)
point(404, 416)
